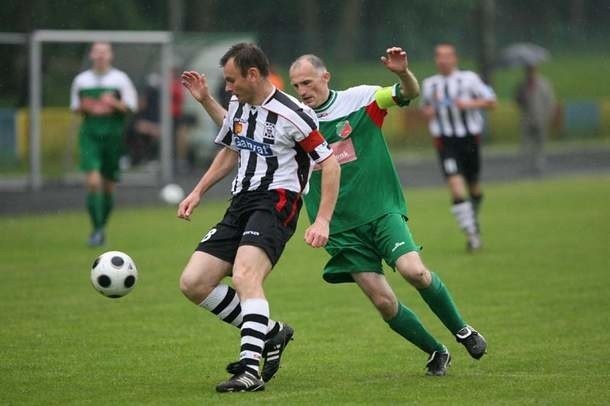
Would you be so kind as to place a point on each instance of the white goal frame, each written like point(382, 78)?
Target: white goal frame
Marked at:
point(39, 37)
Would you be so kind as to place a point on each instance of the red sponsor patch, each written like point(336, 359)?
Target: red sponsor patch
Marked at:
point(344, 152)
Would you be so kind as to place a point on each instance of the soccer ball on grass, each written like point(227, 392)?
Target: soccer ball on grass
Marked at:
point(114, 274)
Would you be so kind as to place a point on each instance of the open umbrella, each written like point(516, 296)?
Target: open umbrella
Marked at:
point(523, 54)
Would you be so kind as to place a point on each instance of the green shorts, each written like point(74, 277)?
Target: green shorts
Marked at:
point(362, 249)
point(101, 152)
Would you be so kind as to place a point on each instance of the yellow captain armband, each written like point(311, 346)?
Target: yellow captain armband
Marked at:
point(387, 97)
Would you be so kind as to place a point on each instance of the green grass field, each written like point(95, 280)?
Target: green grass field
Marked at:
point(538, 292)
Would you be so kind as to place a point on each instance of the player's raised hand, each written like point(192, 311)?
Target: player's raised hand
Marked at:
point(186, 207)
point(395, 60)
point(316, 234)
point(196, 83)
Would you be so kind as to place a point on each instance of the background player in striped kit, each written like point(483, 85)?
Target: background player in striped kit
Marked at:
point(370, 221)
point(104, 96)
point(452, 101)
point(273, 139)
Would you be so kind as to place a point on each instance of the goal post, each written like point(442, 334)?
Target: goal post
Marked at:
point(38, 38)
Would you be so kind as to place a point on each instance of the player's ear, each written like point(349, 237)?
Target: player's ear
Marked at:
point(253, 73)
point(326, 76)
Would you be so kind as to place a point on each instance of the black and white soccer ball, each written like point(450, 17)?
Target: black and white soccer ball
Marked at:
point(114, 274)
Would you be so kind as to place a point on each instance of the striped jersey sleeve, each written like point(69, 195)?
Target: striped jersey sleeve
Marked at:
point(224, 137)
point(305, 121)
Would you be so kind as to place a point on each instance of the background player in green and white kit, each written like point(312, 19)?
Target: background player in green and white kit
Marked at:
point(104, 96)
point(370, 219)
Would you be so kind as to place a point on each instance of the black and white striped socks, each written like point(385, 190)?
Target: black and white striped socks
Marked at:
point(224, 302)
point(251, 316)
point(253, 332)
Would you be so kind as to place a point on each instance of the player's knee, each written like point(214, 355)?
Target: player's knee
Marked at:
point(187, 284)
point(414, 271)
point(243, 276)
point(193, 287)
point(246, 279)
point(385, 303)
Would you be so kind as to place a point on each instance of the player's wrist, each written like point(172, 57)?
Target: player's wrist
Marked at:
point(323, 220)
point(206, 99)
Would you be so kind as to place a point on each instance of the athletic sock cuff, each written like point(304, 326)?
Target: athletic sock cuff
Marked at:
point(435, 284)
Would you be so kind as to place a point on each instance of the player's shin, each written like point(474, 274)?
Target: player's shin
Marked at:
point(407, 324)
point(438, 298)
point(253, 333)
point(95, 207)
point(224, 302)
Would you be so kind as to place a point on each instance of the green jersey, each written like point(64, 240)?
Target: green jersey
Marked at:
point(351, 122)
point(90, 84)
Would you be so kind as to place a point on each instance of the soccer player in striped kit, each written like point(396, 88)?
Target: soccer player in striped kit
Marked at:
point(369, 224)
point(452, 102)
point(274, 141)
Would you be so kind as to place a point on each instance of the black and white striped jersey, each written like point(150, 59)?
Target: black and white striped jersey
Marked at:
point(276, 142)
point(442, 91)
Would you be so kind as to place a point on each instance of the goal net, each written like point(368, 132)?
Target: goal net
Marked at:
point(44, 135)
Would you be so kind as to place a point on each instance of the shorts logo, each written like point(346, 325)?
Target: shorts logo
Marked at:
point(397, 245)
point(238, 125)
point(208, 235)
point(450, 166)
point(250, 232)
point(344, 129)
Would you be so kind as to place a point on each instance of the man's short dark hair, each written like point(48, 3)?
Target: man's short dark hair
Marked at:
point(246, 56)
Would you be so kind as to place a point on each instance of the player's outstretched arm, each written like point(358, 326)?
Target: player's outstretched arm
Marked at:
point(222, 165)
point(396, 61)
point(197, 85)
point(316, 234)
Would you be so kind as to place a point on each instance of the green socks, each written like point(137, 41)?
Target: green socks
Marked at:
point(407, 324)
point(108, 205)
point(99, 206)
point(439, 300)
point(95, 207)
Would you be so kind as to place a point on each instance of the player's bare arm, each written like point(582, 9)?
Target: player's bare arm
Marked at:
point(94, 107)
point(475, 104)
point(396, 61)
point(316, 234)
point(223, 164)
point(428, 111)
point(109, 99)
point(197, 84)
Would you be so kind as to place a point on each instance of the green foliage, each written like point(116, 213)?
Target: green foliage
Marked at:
point(537, 292)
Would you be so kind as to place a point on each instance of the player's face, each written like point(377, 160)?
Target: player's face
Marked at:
point(243, 87)
point(310, 84)
point(101, 55)
point(445, 58)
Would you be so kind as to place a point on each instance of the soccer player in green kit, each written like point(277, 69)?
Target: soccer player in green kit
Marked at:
point(370, 219)
point(104, 96)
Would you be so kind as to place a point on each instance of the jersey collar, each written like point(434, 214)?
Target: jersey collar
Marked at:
point(332, 96)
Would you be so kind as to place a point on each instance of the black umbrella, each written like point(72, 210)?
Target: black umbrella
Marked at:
point(523, 54)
